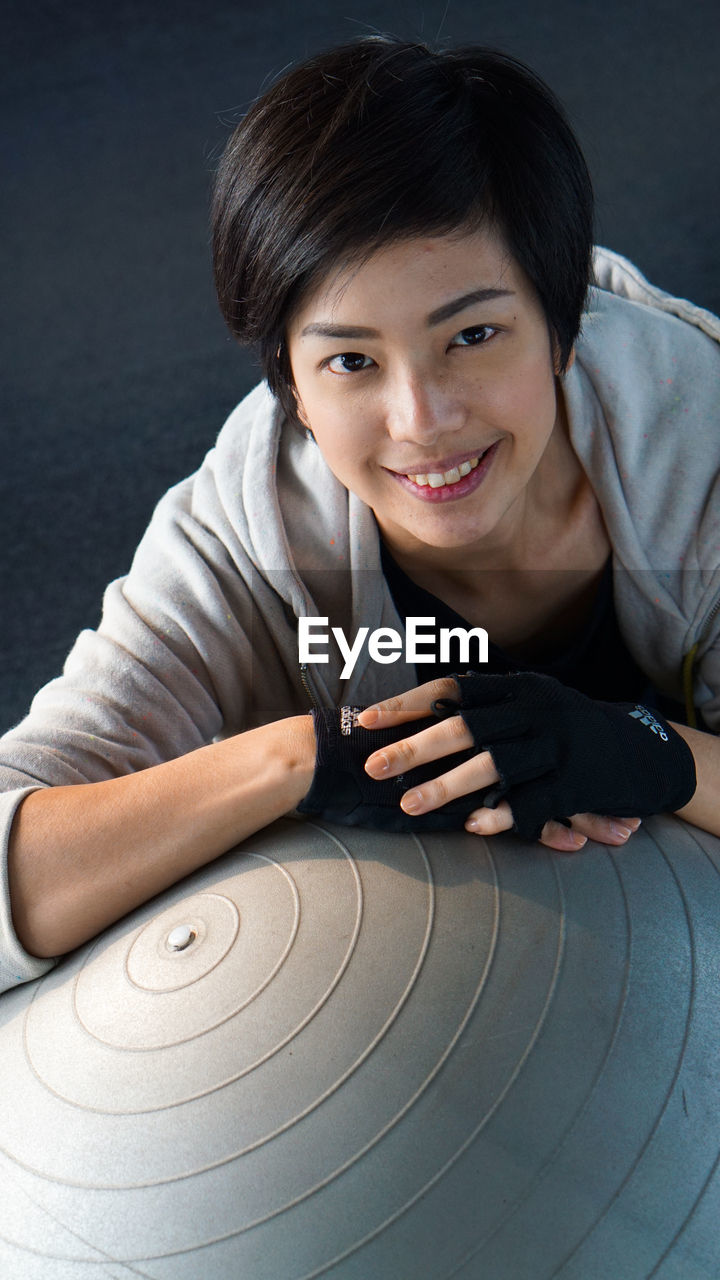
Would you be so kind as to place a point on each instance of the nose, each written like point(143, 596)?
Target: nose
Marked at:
point(421, 408)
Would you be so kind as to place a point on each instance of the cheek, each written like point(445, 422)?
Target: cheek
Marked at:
point(529, 405)
point(342, 445)
point(346, 434)
point(517, 391)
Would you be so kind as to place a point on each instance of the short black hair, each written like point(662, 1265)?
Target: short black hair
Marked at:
point(380, 140)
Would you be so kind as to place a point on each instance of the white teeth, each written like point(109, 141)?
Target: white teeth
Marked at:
point(437, 478)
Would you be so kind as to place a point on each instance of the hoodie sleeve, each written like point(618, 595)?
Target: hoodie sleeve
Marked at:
point(135, 692)
point(170, 668)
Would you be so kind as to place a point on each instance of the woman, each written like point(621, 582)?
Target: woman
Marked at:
point(407, 236)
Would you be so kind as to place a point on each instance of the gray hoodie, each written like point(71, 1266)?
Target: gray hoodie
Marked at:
point(199, 641)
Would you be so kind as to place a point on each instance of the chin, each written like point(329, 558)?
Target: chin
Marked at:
point(442, 539)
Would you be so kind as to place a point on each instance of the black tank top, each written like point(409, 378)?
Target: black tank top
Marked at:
point(596, 661)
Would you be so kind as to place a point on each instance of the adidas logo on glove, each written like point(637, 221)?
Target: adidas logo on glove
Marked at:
point(646, 717)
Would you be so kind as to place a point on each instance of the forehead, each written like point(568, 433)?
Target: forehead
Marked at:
point(414, 275)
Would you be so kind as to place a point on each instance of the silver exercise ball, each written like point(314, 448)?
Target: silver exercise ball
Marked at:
point(371, 1057)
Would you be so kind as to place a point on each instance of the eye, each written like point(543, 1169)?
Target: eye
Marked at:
point(348, 362)
point(475, 336)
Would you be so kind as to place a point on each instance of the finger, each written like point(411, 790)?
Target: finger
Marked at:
point(471, 775)
point(564, 839)
point(407, 706)
point(490, 822)
point(605, 830)
point(441, 739)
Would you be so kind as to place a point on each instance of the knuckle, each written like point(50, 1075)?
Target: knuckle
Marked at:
point(404, 751)
point(391, 706)
point(456, 728)
point(438, 791)
point(443, 687)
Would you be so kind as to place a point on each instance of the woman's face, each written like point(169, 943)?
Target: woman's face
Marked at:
point(426, 376)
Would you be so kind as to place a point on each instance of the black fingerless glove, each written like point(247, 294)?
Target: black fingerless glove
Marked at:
point(343, 792)
point(558, 752)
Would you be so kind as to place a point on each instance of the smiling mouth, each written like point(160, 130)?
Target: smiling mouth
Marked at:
point(453, 483)
point(436, 479)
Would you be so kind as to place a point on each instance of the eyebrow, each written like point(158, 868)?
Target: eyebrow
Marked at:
point(440, 314)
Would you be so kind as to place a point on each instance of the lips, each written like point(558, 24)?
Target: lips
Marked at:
point(437, 478)
point(449, 479)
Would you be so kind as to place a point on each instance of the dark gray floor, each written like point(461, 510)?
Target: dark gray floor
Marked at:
point(117, 372)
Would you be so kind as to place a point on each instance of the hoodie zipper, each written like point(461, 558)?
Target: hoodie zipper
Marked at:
point(305, 680)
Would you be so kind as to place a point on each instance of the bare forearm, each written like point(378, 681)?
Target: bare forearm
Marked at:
point(704, 808)
point(83, 856)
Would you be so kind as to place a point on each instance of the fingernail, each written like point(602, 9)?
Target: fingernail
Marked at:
point(633, 823)
point(377, 765)
point(620, 832)
point(472, 824)
point(577, 840)
point(369, 716)
point(412, 801)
